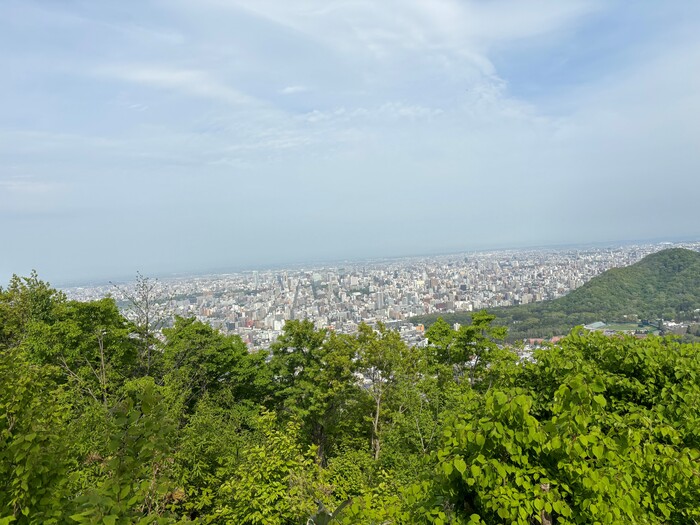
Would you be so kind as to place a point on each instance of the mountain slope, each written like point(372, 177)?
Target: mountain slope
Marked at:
point(665, 285)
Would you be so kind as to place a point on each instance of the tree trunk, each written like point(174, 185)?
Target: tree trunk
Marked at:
point(376, 446)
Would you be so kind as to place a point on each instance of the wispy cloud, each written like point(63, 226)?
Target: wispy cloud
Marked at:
point(493, 112)
point(385, 112)
point(186, 81)
point(27, 186)
point(290, 90)
point(26, 195)
point(415, 24)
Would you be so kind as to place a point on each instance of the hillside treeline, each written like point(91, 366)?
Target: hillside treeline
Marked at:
point(663, 285)
point(104, 421)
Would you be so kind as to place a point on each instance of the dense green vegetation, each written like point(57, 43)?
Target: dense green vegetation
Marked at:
point(102, 421)
point(663, 285)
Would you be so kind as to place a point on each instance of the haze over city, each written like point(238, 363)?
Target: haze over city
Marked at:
point(183, 136)
point(255, 305)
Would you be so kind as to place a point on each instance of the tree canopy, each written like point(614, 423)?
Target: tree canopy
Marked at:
point(336, 428)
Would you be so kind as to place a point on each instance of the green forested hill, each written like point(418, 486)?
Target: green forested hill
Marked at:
point(665, 285)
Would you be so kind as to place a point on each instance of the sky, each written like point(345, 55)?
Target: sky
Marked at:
point(176, 136)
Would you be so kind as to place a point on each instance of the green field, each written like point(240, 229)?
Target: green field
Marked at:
point(630, 328)
point(623, 327)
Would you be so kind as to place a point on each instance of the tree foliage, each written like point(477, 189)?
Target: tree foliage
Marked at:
point(337, 428)
point(34, 464)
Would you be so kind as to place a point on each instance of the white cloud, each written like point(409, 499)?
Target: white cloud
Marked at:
point(415, 24)
point(410, 117)
point(512, 20)
point(187, 81)
point(381, 49)
point(290, 90)
point(361, 115)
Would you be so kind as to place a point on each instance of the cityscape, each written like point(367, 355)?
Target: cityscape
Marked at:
point(341, 262)
point(256, 304)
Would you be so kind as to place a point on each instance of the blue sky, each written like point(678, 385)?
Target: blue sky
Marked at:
point(186, 135)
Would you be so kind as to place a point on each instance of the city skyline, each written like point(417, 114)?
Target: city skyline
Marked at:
point(173, 137)
point(256, 304)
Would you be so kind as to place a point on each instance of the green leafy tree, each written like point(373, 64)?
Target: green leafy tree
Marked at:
point(210, 446)
point(597, 435)
point(385, 363)
point(90, 342)
point(274, 483)
point(315, 374)
point(199, 360)
point(33, 453)
point(25, 300)
point(468, 350)
point(133, 482)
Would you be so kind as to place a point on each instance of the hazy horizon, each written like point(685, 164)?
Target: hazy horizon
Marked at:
point(100, 280)
point(174, 137)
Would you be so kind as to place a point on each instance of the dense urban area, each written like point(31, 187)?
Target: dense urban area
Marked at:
point(256, 304)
